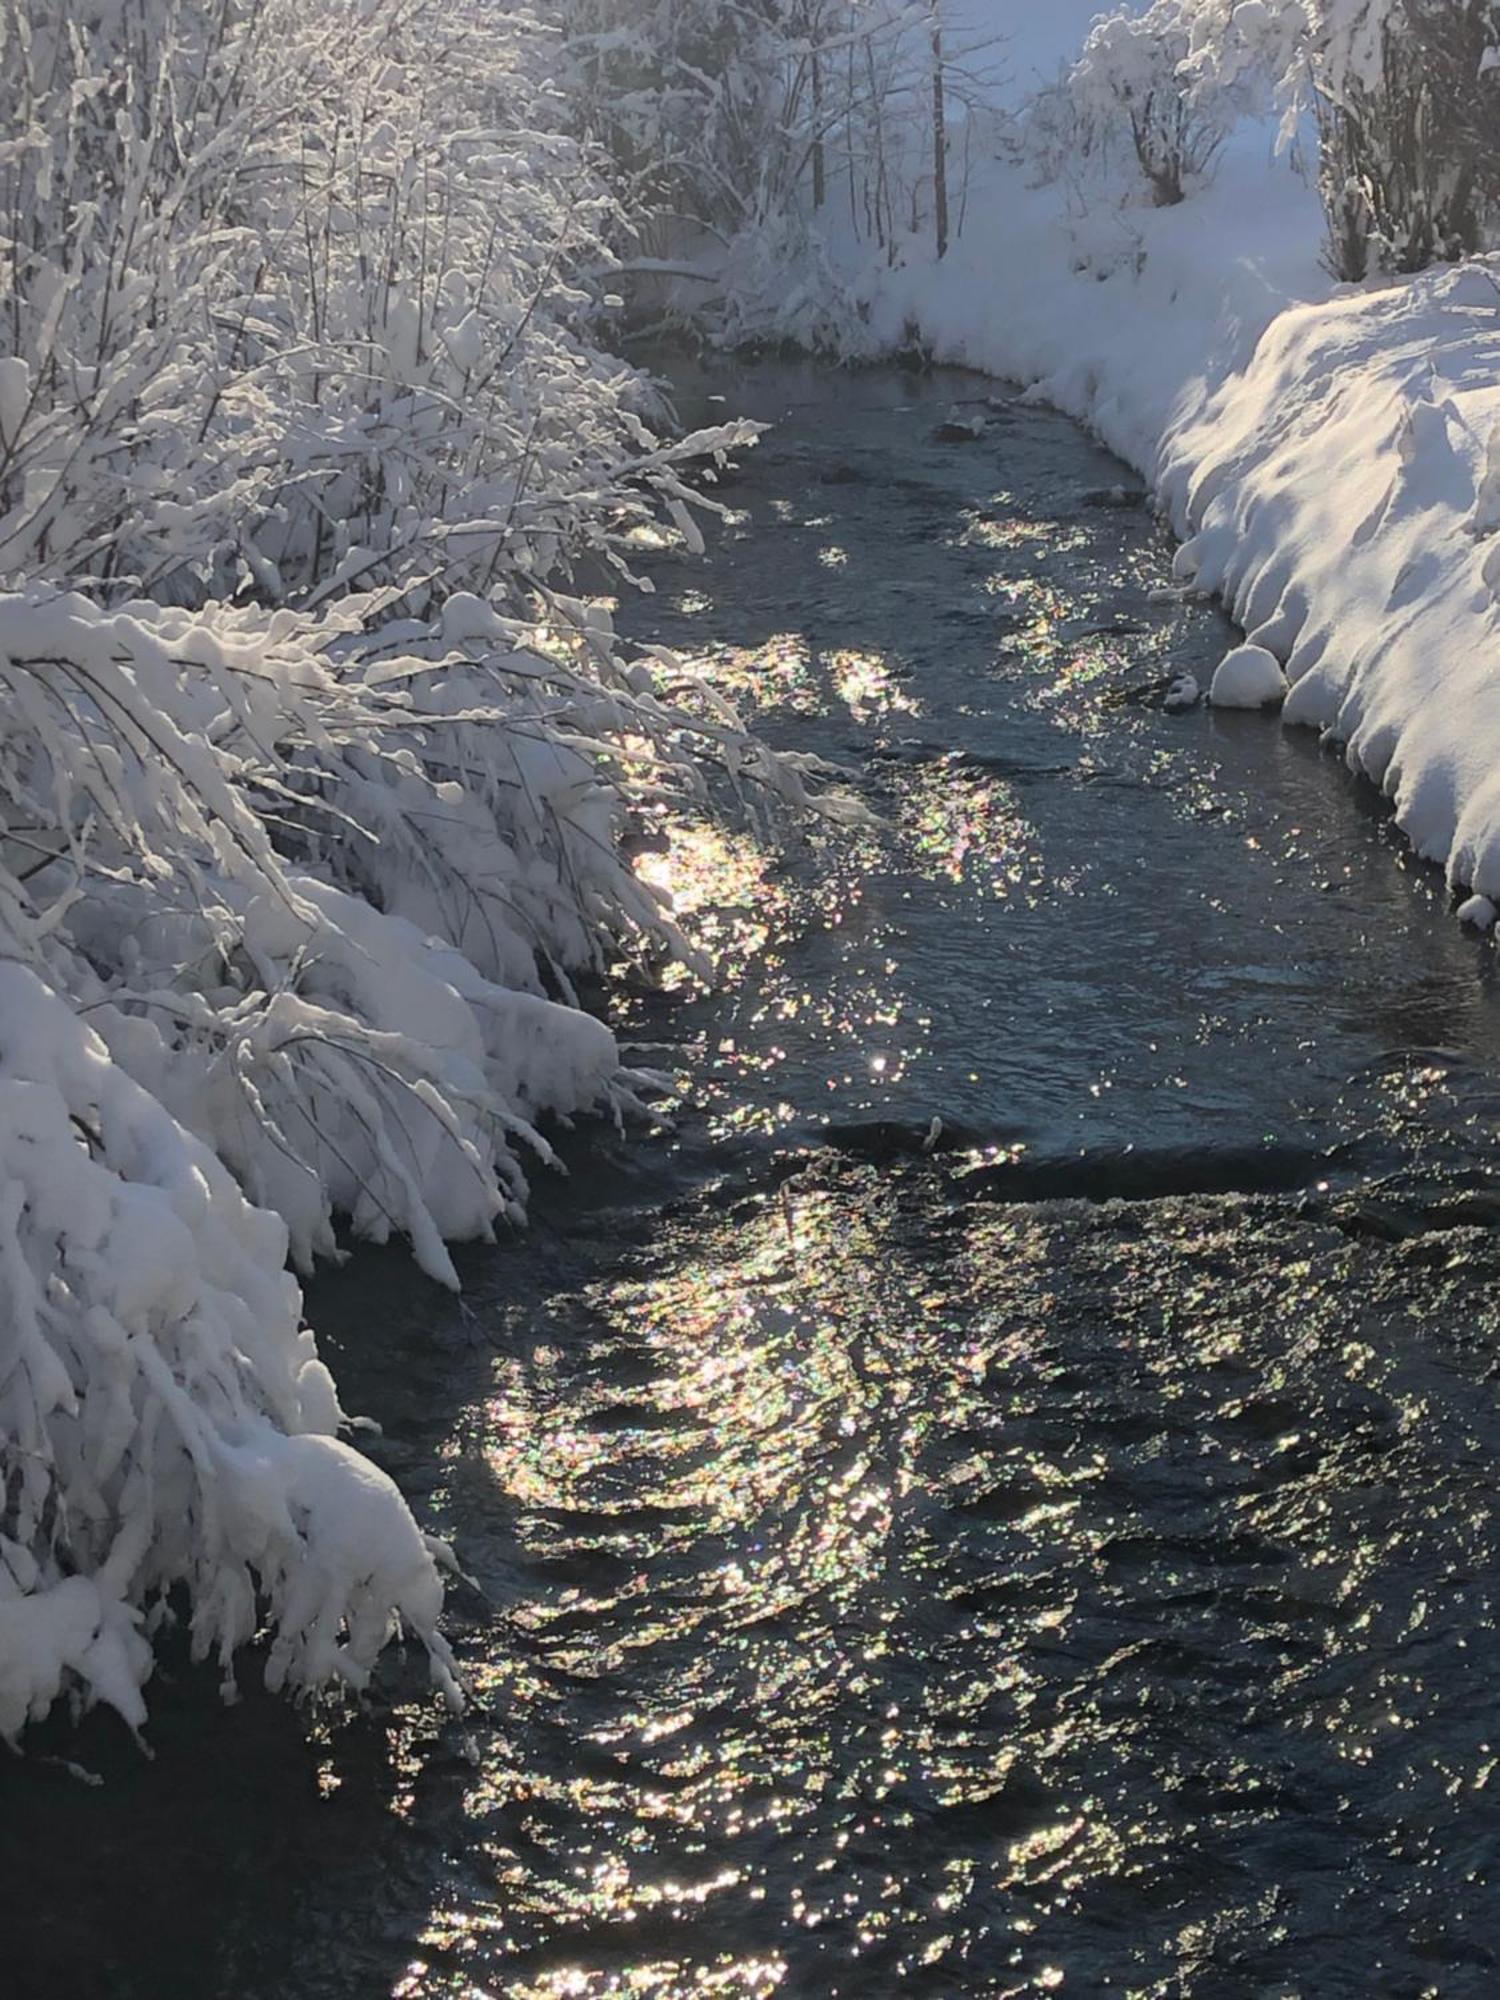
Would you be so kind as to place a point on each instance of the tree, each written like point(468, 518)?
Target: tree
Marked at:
point(315, 778)
point(1409, 114)
point(939, 137)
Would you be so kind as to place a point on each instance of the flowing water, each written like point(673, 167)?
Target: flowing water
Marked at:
point(1053, 1549)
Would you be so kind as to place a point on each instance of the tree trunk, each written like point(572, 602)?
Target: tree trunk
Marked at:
point(939, 137)
point(820, 183)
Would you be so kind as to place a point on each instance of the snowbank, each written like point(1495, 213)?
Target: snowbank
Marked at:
point(1340, 493)
point(1248, 677)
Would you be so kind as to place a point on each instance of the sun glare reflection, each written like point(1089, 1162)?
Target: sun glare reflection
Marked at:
point(717, 886)
point(1004, 526)
point(787, 673)
point(863, 1548)
point(765, 1420)
point(966, 827)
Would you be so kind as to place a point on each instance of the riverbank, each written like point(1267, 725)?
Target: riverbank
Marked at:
point(319, 786)
point(890, 1571)
point(1327, 454)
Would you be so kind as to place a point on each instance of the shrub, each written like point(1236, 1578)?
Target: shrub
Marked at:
point(1406, 119)
point(1130, 80)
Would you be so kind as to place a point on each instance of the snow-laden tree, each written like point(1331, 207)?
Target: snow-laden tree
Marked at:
point(291, 300)
point(686, 96)
point(1405, 95)
point(1408, 101)
point(315, 772)
point(1165, 85)
point(732, 126)
point(1130, 76)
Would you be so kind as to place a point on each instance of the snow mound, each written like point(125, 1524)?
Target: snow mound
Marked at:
point(1248, 677)
point(1338, 486)
point(1183, 694)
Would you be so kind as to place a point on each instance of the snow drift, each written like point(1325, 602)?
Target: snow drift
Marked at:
point(1340, 494)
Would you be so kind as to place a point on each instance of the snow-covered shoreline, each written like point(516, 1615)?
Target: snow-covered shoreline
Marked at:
point(1328, 455)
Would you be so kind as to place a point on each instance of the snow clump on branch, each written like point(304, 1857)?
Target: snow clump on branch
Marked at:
point(315, 772)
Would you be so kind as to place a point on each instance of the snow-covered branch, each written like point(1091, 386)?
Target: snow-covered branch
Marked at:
point(316, 773)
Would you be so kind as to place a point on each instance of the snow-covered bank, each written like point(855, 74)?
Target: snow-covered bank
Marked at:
point(1125, 316)
point(1342, 493)
point(1325, 452)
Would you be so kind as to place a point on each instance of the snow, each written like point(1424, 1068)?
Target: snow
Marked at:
point(1125, 317)
point(165, 1418)
point(1183, 694)
point(1478, 912)
point(1335, 488)
point(1248, 677)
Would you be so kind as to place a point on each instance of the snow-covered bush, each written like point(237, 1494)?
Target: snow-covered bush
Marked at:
point(315, 777)
point(321, 886)
point(292, 301)
point(1409, 109)
point(1131, 78)
point(164, 1422)
point(328, 894)
point(218, 827)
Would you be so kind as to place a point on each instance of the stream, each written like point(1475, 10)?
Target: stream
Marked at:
point(999, 1497)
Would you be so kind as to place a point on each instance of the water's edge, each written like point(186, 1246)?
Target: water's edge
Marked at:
point(999, 1498)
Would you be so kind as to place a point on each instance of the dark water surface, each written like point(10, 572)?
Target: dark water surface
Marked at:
point(1062, 1561)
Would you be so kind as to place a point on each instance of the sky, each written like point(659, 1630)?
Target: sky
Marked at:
point(1039, 34)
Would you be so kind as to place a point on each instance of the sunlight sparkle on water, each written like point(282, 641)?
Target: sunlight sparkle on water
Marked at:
point(717, 888)
point(867, 687)
point(965, 826)
point(1000, 529)
point(786, 672)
